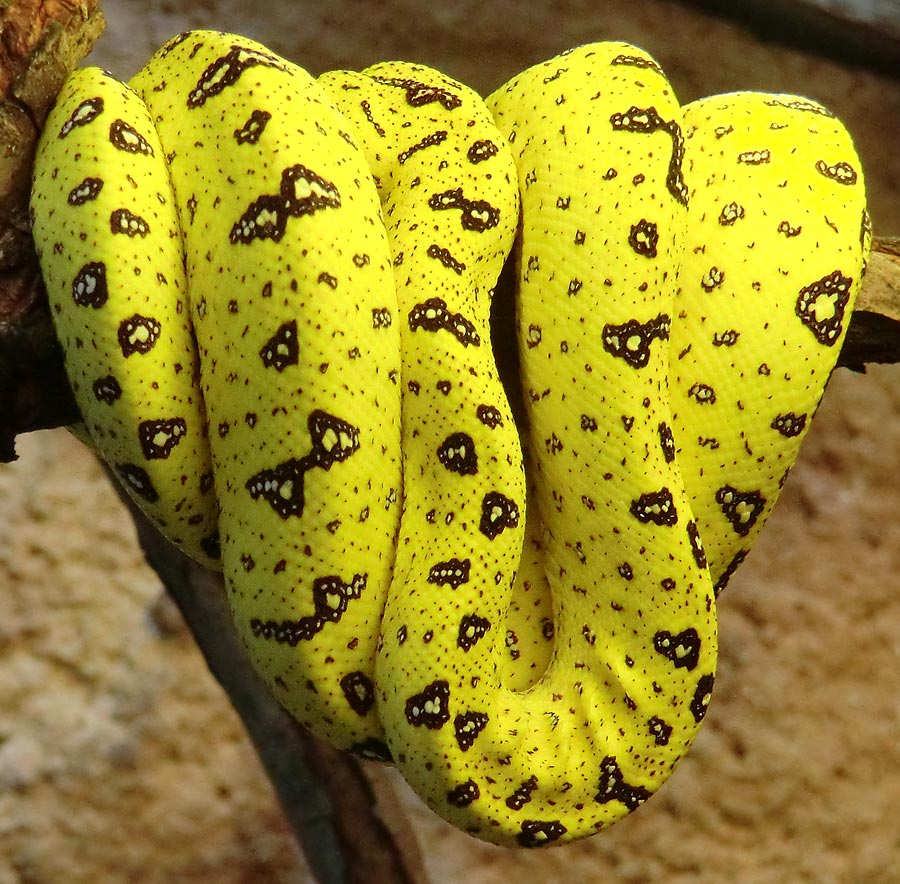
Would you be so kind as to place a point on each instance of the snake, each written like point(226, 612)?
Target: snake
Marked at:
point(279, 301)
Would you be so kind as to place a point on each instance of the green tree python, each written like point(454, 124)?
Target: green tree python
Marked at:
point(274, 296)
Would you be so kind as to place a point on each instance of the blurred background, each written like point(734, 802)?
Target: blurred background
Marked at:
point(122, 761)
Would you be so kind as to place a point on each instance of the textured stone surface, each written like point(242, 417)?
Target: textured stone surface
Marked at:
point(120, 760)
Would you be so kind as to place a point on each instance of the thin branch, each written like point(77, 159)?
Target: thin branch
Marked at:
point(324, 794)
point(810, 27)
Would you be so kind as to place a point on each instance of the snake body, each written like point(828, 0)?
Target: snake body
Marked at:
point(521, 618)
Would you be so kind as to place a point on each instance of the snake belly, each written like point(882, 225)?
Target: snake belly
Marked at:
point(684, 280)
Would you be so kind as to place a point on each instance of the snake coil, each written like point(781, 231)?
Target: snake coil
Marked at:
point(274, 297)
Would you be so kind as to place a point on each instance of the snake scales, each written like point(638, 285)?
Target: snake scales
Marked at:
point(274, 296)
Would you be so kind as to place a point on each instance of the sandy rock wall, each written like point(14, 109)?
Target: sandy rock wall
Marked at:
point(120, 759)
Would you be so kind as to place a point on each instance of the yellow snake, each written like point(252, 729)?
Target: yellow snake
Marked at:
point(274, 296)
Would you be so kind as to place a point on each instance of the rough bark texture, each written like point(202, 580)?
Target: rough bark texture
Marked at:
point(120, 759)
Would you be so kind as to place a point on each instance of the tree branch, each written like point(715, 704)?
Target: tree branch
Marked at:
point(809, 27)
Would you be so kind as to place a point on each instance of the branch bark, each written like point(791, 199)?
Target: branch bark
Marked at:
point(324, 793)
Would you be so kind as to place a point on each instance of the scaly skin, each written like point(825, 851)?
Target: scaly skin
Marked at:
point(685, 277)
point(108, 237)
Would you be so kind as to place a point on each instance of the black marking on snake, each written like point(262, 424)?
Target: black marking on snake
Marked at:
point(835, 287)
point(479, 151)
point(359, 691)
point(125, 137)
point(730, 214)
point(89, 287)
point(656, 507)
point(443, 255)
point(788, 230)
point(537, 833)
point(227, 69)
point(177, 40)
point(644, 238)
point(212, 545)
point(333, 441)
point(85, 113)
point(728, 573)
point(253, 128)
point(683, 649)
point(287, 632)
point(666, 441)
point(696, 544)
point(419, 94)
point(522, 793)
point(123, 221)
point(647, 120)
point(489, 415)
point(457, 454)
point(498, 512)
point(612, 786)
point(631, 340)
point(159, 437)
point(433, 315)
point(367, 110)
point(702, 696)
point(865, 230)
point(588, 423)
point(842, 173)
point(754, 157)
point(381, 317)
point(431, 707)
point(726, 338)
point(372, 749)
point(138, 334)
point(704, 394)
point(431, 140)
point(302, 192)
point(472, 628)
point(789, 424)
point(467, 727)
point(712, 279)
point(331, 596)
point(800, 105)
point(138, 480)
point(106, 389)
point(637, 61)
point(453, 573)
point(659, 730)
point(87, 190)
point(477, 215)
point(463, 794)
point(741, 508)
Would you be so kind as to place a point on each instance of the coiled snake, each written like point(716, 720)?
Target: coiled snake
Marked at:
point(274, 297)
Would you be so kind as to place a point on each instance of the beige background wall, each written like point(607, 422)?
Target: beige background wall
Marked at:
point(121, 761)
